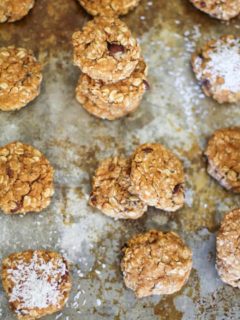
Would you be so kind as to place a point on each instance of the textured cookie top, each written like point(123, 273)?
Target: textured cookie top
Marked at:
point(223, 154)
point(20, 78)
point(156, 263)
point(36, 282)
point(108, 7)
point(110, 192)
point(228, 249)
point(157, 177)
point(13, 10)
point(106, 50)
point(217, 66)
point(112, 100)
point(220, 9)
point(26, 179)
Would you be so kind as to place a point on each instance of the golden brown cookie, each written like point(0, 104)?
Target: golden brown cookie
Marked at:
point(20, 78)
point(156, 263)
point(108, 7)
point(13, 10)
point(228, 249)
point(217, 67)
point(220, 9)
point(37, 283)
point(223, 155)
point(112, 100)
point(105, 49)
point(157, 177)
point(26, 179)
point(110, 190)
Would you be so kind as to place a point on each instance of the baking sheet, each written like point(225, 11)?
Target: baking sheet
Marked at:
point(174, 112)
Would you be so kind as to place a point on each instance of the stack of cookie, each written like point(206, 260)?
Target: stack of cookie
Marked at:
point(114, 74)
point(152, 176)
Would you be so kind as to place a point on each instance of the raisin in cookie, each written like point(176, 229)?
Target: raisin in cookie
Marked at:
point(108, 7)
point(13, 10)
point(20, 78)
point(156, 263)
point(228, 249)
point(26, 179)
point(220, 9)
point(37, 283)
point(223, 155)
point(217, 67)
point(110, 193)
point(106, 50)
point(157, 177)
point(112, 100)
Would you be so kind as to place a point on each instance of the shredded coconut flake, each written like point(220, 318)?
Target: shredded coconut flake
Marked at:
point(35, 283)
point(225, 62)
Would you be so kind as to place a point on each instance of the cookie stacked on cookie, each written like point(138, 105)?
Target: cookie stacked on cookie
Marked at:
point(114, 74)
point(152, 176)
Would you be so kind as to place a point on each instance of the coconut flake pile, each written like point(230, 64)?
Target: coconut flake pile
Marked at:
point(225, 62)
point(36, 283)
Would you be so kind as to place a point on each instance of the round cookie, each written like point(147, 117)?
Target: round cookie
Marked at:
point(228, 249)
point(156, 263)
point(105, 49)
point(13, 10)
point(26, 179)
point(157, 177)
point(223, 9)
point(217, 67)
point(108, 7)
point(110, 190)
point(20, 78)
point(223, 156)
point(37, 283)
point(112, 100)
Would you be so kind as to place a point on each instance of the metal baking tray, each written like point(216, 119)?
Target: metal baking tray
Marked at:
point(173, 112)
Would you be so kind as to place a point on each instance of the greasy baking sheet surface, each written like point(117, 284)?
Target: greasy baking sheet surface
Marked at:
point(174, 112)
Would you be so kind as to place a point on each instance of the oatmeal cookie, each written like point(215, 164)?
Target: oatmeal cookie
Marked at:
point(112, 100)
point(37, 283)
point(108, 7)
point(156, 263)
point(13, 10)
point(110, 190)
point(105, 49)
point(20, 78)
point(223, 155)
point(219, 9)
point(217, 67)
point(228, 249)
point(157, 177)
point(26, 179)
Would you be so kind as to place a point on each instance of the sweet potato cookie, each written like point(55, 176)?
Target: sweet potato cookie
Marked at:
point(106, 50)
point(223, 155)
point(108, 7)
point(20, 78)
point(110, 192)
point(228, 249)
point(26, 179)
point(13, 10)
point(37, 283)
point(217, 67)
point(112, 100)
point(220, 9)
point(156, 263)
point(157, 177)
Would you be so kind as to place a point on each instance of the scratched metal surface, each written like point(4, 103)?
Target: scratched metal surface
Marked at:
point(174, 112)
